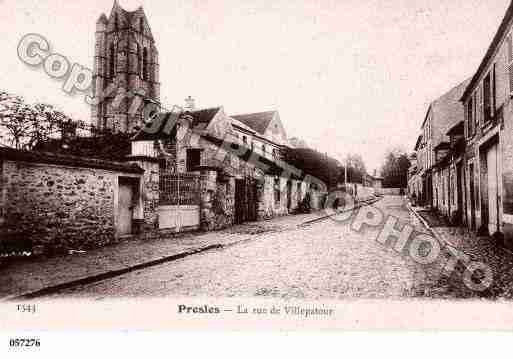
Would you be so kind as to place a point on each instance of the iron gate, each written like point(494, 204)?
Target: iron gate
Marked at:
point(179, 201)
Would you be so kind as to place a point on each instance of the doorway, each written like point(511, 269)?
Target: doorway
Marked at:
point(472, 197)
point(245, 200)
point(492, 189)
point(289, 195)
point(127, 200)
point(459, 193)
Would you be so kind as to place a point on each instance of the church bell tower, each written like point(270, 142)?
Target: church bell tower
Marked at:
point(125, 62)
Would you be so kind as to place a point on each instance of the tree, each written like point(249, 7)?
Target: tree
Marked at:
point(24, 126)
point(15, 119)
point(395, 169)
point(314, 163)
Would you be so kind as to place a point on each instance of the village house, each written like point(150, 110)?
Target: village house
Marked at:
point(242, 161)
point(429, 176)
point(373, 181)
point(464, 154)
point(488, 127)
point(442, 114)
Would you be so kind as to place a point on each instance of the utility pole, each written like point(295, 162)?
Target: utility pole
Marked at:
point(345, 174)
point(329, 170)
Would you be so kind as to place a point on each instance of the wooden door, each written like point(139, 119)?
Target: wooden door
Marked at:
point(493, 210)
point(459, 192)
point(125, 208)
point(240, 201)
point(289, 195)
point(472, 198)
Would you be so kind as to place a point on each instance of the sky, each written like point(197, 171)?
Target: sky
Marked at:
point(347, 76)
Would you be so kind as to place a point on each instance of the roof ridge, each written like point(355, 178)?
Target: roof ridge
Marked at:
point(255, 113)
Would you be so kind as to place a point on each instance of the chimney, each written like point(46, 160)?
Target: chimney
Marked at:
point(189, 104)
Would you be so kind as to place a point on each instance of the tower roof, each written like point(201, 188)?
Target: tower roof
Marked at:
point(103, 19)
point(130, 17)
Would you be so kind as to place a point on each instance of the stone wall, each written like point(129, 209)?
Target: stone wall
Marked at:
point(217, 208)
point(268, 207)
point(52, 208)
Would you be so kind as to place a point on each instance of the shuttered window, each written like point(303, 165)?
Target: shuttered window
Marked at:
point(470, 116)
point(479, 116)
point(487, 97)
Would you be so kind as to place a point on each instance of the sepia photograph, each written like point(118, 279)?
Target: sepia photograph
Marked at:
point(256, 164)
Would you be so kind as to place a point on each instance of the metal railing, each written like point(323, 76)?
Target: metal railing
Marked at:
point(181, 189)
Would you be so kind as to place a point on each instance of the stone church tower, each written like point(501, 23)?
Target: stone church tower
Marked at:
point(125, 58)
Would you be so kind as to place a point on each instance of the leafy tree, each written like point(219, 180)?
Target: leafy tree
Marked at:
point(395, 169)
point(314, 163)
point(105, 145)
point(24, 125)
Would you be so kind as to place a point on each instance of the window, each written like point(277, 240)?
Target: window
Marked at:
point(476, 112)
point(112, 58)
point(264, 150)
point(470, 116)
point(193, 159)
point(245, 140)
point(141, 25)
point(145, 64)
point(116, 22)
point(277, 192)
point(487, 97)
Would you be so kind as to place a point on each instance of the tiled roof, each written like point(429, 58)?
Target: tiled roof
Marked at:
point(257, 121)
point(147, 133)
point(447, 111)
point(457, 129)
point(204, 115)
point(417, 144)
point(12, 154)
point(198, 117)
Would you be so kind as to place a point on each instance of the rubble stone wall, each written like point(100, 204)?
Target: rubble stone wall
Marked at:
point(217, 208)
point(53, 208)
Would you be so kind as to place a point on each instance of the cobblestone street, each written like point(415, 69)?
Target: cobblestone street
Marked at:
point(326, 260)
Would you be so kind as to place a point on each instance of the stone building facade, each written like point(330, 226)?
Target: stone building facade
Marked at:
point(242, 177)
point(489, 144)
point(473, 169)
point(126, 60)
point(56, 203)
